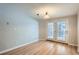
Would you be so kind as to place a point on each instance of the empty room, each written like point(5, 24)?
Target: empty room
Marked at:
point(39, 29)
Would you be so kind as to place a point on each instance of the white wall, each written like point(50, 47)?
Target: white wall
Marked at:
point(73, 30)
point(72, 24)
point(42, 30)
point(21, 29)
point(78, 30)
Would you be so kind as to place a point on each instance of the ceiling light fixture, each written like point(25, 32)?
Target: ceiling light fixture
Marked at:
point(46, 16)
point(46, 13)
point(37, 14)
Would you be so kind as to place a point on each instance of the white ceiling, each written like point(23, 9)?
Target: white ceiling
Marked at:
point(54, 10)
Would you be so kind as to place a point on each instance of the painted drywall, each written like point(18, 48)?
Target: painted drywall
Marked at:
point(78, 30)
point(42, 30)
point(72, 28)
point(16, 27)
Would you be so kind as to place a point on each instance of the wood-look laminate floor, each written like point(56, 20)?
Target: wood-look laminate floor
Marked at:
point(44, 48)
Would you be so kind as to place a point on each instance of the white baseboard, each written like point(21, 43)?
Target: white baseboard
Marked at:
point(72, 44)
point(16, 47)
point(65, 42)
point(58, 41)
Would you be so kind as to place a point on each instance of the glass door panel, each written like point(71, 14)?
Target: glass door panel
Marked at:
point(61, 31)
point(50, 30)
